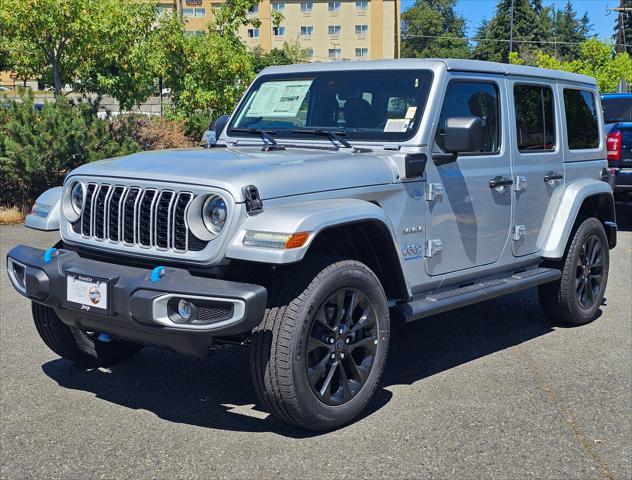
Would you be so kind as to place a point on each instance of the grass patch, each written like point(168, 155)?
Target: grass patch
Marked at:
point(11, 216)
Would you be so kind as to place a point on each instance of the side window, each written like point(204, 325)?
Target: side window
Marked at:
point(582, 126)
point(535, 118)
point(466, 99)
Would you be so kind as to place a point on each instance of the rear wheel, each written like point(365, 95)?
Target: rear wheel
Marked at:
point(575, 298)
point(86, 348)
point(319, 353)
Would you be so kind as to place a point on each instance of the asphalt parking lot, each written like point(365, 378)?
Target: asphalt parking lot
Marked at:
point(491, 391)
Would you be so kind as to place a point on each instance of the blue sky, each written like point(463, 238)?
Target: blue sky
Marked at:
point(476, 10)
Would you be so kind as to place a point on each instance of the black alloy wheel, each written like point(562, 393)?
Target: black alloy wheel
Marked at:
point(341, 347)
point(589, 272)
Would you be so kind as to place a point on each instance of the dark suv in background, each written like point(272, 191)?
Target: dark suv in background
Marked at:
point(617, 112)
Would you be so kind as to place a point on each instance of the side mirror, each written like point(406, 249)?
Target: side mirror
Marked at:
point(415, 165)
point(463, 134)
point(215, 129)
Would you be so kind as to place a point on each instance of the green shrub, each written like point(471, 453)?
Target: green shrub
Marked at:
point(38, 148)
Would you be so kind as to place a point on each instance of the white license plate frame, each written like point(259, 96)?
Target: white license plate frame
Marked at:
point(88, 293)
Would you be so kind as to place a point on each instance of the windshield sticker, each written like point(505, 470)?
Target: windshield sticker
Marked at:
point(279, 99)
point(410, 113)
point(397, 125)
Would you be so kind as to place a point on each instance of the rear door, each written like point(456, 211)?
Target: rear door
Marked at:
point(537, 160)
point(467, 221)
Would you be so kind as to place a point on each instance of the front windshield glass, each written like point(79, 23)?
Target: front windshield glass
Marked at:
point(617, 109)
point(372, 105)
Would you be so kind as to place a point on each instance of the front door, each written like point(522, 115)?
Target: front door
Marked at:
point(538, 168)
point(468, 218)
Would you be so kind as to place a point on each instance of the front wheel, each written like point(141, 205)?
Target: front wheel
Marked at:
point(576, 297)
point(318, 356)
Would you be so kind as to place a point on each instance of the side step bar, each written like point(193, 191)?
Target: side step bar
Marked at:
point(432, 303)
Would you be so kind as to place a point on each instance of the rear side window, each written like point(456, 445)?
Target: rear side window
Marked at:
point(535, 118)
point(582, 126)
point(466, 99)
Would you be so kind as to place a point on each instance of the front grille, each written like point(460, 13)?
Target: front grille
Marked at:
point(135, 216)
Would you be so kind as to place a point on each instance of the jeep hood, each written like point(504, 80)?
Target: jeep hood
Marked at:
point(275, 173)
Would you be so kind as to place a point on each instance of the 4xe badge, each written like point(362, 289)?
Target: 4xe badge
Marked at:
point(411, 251)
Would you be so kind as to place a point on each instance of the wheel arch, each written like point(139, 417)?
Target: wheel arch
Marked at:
point(581, 199)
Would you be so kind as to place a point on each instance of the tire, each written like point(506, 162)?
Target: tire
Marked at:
point(575, 298)
point(297, 336)
point(77, 345)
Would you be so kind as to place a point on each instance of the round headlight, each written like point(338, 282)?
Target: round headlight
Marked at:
point(214, 213)
point(73, 201)
point(76, 197)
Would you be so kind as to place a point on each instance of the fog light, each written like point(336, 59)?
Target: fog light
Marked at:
point(184, 310)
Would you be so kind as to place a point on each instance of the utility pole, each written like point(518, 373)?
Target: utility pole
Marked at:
point(621, 40)
point(511, 18)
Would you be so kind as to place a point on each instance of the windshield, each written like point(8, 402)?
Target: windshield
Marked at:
point(374, 105)
point(617, 109)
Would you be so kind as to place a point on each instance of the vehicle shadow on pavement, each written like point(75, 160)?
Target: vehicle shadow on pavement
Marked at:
point(217, 393)
point(624, 215)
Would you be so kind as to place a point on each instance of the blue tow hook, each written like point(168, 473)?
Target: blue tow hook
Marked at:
point(48, 254)
point(156, 274)
point(104, 337)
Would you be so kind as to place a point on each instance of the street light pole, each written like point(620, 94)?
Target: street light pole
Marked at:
point(511, 21)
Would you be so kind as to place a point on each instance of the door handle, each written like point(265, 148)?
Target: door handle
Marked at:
point(500, 182)
point(553, 177)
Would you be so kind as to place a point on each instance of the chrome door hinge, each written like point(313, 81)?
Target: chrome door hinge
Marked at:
point(520, 183)
point(518, 232)
point(433, 247)
point(433, 191)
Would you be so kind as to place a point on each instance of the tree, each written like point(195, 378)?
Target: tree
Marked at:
point(292, 52)
point(493, 36)
point(98, 46)
point(625, 18)
point(595, 59)
point(431, 28)
point(570, 32)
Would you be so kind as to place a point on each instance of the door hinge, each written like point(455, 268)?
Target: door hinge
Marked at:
point(520, 183)
point(433, 247)
point(433, 191)
point(518, 232)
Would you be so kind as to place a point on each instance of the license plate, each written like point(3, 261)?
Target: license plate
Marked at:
point(87, 292)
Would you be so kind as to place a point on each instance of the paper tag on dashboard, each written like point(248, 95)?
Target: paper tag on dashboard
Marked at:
point(396, 125)
point(410, 113)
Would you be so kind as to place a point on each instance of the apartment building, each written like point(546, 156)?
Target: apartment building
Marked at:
point(327, 29)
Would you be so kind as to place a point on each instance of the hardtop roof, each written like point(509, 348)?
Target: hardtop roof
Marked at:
point(450, 64)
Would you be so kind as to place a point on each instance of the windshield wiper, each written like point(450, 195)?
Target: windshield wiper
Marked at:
point(266, 136)
point(332, 135)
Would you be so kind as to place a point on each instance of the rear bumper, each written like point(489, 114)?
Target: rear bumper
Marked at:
point(137, 306)
point(622, 179)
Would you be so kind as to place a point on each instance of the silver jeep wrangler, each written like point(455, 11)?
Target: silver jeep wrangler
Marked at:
point(337, 198)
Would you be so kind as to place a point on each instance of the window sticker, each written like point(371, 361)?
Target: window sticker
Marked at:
point(410, 113)
point(397, 125)
point(279, 99)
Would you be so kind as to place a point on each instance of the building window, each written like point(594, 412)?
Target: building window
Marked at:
point(199, 12)
point(306, 30)
point(362, 52)
point(307, 7)
point(309, 52)
point(582, 126)
point(253, 33)
point(278, 6)
point(535, 118)
point(187, 12)
point(278, 31)
point(334, 53)
point(333, 6)
point(333, 29)
point(362, 5)
point(254, 10)
point(361, 29)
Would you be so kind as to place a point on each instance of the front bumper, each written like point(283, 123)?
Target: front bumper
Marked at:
point(137, 304)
